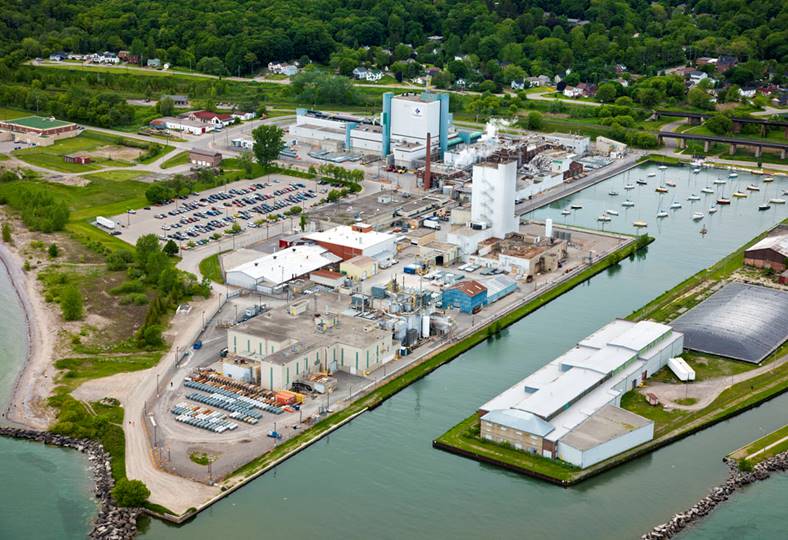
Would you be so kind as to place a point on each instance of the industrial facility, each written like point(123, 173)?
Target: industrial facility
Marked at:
point(570, 408)
point(407, 126)
point(284, 345)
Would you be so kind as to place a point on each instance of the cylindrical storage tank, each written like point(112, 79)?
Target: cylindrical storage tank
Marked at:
point(548, 228)
point(425, 326)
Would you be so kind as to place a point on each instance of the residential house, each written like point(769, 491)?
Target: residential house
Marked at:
point(726, 62)
point(588, 89)
point(705, 61)
point(243, 116)
point(374, 75)
point(518, 85)
point(282, 68)
point(696, 76)
point(58, 56)
point(217, 120)
point(178, 100)
point(107, 58)
point(154, 62)
point(573, 92)
point(541, 80)
point(75, 56)
point(620, 69)
point(748, 92)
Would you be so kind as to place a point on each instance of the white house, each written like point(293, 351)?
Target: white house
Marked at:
point(696, 76)
point(573, 92)
point(518, 85)
point(244, 116)
point(282, 68)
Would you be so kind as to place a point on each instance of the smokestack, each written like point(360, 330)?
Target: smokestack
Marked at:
point(428, 168)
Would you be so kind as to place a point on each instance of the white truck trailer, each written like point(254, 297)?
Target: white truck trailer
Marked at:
point(681, 369)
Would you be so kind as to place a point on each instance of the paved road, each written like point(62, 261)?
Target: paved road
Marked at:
point(704, 391)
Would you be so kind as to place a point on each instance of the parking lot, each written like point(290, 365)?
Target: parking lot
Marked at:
point(200, 218)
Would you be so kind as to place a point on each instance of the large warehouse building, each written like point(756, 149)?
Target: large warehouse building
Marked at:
point(569, 409)
point(351, 241)
point(401, 132)
point(39, 130)
point(771, 252)
point(269, 273)
point(289, 344)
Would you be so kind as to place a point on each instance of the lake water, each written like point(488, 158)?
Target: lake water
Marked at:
point(46, 491)
point(379, 476)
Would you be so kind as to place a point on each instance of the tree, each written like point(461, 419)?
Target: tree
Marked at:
point(246, 162)
point(302, 222)
point(697, 97)
point(151, 336)
point(535, 120)
point(170, 248)
point(53, 251)
point(130, 493)
point(119, 260)
point(7, 238)
point(211, 65)
point(606, 92)
point(267, 143)
point(334, 195)
point(165, 106)
point(719, 124)
point(71, 304)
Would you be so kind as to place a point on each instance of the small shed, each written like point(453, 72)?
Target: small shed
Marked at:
point(78, 159)
point(328, 278)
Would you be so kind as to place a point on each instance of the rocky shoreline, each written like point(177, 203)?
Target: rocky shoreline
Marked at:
point(736, 479)
point(112, 522)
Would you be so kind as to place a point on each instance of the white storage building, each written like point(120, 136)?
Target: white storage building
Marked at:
point(270, 272)
point(577, 396)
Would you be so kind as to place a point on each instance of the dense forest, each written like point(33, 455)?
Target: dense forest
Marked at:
point(530, 37)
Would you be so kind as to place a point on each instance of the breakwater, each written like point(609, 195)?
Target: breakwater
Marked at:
point(112, 522)
point(736, 480)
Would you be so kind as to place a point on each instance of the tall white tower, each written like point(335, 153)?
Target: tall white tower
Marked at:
point(492, 196)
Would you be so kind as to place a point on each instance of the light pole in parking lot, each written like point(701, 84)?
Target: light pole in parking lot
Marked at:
point(203, 320)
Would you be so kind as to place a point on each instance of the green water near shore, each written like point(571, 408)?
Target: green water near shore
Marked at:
point(46, 491)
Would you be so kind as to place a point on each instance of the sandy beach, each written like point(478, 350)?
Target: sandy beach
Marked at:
point(27, 405)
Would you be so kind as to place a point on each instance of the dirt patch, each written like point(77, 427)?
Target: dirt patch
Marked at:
point(115, 152)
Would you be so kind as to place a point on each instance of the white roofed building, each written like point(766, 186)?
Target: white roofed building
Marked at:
point(269, 273)
point(351, 241)
point(578, 396)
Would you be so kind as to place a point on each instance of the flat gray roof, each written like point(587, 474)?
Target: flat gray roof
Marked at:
point(608, 423)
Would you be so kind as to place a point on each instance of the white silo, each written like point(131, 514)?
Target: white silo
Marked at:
point(548, 228)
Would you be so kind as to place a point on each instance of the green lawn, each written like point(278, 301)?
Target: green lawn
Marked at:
point(181, 158)
point(465, 437)
point(706, 366)
point(211, 268)
point(761, 443)
point(10, 114)
point(51, 157)
point(77, 370)
point(114, 176)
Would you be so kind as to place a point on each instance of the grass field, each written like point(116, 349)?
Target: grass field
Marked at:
point(778, 436)
point(77, 370)
point(10, 114)
point(51, 157)
point(181, 158)
point(211, 268)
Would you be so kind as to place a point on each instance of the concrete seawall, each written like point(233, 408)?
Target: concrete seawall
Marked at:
point(112, 522)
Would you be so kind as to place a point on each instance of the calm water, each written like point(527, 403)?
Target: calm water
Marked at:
point(757, 511)
point(379, 476)
point(45, 490)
